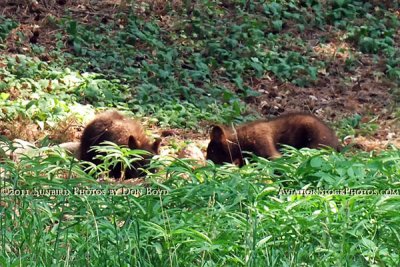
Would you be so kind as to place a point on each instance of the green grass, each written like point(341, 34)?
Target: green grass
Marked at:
point(215, 216)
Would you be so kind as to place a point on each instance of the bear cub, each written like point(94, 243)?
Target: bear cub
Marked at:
point(114, 127)
point(264, 137)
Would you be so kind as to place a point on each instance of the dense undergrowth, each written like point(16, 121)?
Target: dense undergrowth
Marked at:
point(208, 216)
point(197, 66)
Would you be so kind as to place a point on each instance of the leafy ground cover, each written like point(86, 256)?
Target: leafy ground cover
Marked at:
point(184, 65)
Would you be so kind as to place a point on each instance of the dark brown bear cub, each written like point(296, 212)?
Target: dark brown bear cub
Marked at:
point(264, 137)
point(114, 127)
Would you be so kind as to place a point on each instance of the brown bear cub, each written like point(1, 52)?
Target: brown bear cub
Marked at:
point(264, 137)
point(114, 127)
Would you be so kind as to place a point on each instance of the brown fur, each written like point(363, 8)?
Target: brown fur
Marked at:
point(264, 137)
point(114, 127)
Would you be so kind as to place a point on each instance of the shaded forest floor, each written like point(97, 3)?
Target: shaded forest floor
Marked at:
point(350, 82)
point(179, 67)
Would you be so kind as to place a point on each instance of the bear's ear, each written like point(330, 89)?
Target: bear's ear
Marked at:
point(133, 143)
point(217, 134)
point(156, 145)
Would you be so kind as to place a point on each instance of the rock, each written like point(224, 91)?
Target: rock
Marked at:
point(72, 147)
point(15, 149)
point(191, 151)
point(18, 147)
